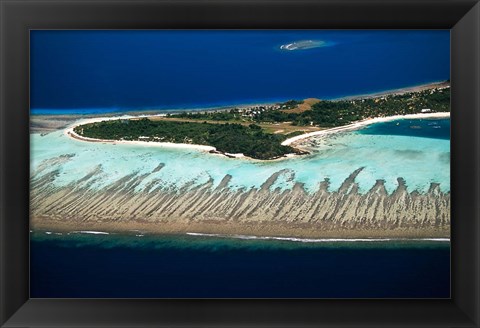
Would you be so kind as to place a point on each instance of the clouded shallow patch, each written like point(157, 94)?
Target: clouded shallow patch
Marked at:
point(305, 45)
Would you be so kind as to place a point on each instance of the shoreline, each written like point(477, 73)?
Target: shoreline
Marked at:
point(69, 132)
point(231, 229)
point(360, 124)
point(224, 107)
point(399, 91)
point(139, 233)
point(155, 111)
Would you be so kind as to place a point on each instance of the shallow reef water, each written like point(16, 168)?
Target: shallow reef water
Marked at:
point(413, 154)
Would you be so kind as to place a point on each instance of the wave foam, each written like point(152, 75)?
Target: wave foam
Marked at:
point(91, 232)
point(311, 240)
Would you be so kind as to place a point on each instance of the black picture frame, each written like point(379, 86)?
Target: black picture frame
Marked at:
point(17, 17)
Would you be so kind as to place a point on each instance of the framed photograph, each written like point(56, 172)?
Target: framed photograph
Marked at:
point(240, 164)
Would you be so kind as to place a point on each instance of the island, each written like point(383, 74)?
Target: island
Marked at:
point(266, 132)
point(304, 45)
point(100, 198)
point(227, 138)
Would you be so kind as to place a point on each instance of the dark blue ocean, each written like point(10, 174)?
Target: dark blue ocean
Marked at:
point(80, 265)
point(87, 72)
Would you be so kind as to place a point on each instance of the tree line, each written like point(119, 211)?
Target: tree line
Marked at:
point(250, 140)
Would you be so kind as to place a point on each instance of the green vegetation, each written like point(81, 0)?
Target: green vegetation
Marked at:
point(249, 138)
point(293, 134)
point(228, 138)
point(231, 115)
point(291, 104)
point(337, 113)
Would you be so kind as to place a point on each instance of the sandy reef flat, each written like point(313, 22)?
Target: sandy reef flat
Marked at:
point(260, 212)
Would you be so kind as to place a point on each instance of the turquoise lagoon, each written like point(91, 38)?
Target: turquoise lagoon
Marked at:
point(416, 150)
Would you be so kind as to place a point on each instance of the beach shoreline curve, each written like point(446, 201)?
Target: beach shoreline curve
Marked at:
point(70, 132)
point(363, 123)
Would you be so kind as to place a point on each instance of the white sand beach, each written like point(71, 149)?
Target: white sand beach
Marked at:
point(354, 126)
point(363, 123)
point(72, 134)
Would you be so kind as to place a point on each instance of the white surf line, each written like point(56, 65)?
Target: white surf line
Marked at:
point(90, 232)
point(310, 240)
point(138, 233)
point(360, 124)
